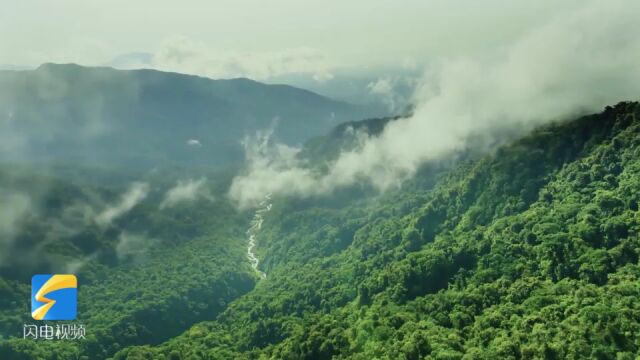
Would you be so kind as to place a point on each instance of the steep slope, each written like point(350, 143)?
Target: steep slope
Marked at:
point(69, 113)
point(531, 252)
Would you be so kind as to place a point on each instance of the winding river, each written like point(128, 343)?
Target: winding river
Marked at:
point(256, 224)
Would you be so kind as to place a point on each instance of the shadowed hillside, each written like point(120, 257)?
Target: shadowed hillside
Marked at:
point(69, 113)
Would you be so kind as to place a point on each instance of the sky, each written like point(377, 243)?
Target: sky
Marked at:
point(262, 39)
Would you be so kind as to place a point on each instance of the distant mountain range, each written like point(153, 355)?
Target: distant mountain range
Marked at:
point(383, 87)
point(69, 113)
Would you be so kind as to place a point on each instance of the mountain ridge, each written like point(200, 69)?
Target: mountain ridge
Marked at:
point(501, 258)
point(146, 117)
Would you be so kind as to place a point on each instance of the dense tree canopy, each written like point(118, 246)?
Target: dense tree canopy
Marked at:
point(529, 252)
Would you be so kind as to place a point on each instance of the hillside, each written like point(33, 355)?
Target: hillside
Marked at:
point(531, 252)
point(74, 114)
point(146, 276)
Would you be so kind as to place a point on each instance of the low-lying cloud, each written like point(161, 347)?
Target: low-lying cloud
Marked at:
point(27, 205)
point(186, 191)
point(388, 90)
point(573, 65)
point(14, 207)
point(134, 195)
point(133, 247)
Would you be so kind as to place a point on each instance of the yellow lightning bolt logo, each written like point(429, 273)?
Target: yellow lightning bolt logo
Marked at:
point(56, 282)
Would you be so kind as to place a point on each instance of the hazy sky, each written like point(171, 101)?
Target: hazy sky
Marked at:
point(332, 33)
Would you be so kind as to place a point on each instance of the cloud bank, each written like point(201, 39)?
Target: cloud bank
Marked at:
point(572, 65)
point(185, 55)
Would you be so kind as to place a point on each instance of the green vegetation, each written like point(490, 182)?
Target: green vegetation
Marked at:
point(187, 265)
point(531, 252)
point(147, 304)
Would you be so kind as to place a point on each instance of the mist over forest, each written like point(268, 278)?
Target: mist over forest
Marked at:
point(378, 184)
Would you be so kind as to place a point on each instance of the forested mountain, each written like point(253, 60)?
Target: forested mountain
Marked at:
point(147, 118)
point(531, 252)
point(528, 252)
point(410, 180)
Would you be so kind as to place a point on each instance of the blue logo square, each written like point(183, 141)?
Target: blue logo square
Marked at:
point(54, 297)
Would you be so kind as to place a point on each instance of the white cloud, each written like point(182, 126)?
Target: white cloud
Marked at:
point(12, 141)
point(322, 76)
point(575, 64)
point(186, 191)
point(382, 86)
point(134, 195)
point(185, 55)
point(194, 143)
point(271, 168)
point(393, 91)
point(14, 207)
point(133, 246)
point(75, 265)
